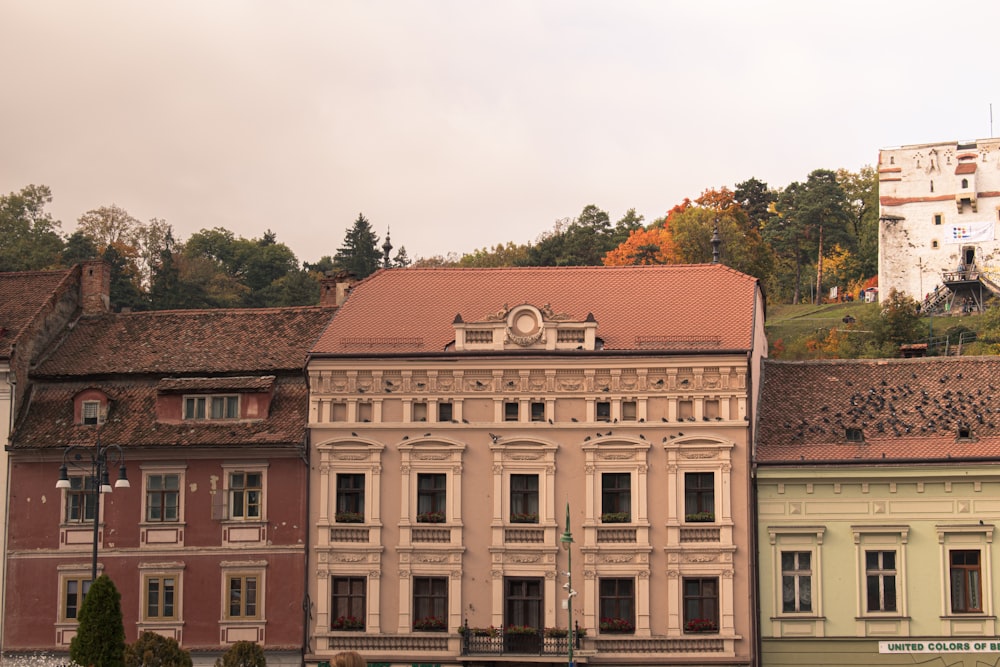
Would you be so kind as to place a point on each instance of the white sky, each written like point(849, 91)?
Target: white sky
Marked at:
point(468, 123)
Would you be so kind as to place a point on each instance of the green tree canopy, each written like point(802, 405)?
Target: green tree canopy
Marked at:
point(153, 650)
point(100, 635)
point(360, 253)
point(29, 237)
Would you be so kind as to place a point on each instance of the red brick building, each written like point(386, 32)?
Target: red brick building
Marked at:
point(208, 545)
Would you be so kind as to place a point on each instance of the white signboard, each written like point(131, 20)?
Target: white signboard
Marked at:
point(940, 646)
point(969, 232)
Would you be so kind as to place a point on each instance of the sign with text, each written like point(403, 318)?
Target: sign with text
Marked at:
point(940, 646)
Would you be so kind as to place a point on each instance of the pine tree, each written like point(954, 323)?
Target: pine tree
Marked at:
point(100, 635)
point(360, 253)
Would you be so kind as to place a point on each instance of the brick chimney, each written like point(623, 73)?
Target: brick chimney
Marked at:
point(335, 288)
point(95, 287)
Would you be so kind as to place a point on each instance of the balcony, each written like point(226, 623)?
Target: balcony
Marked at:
point(495, 641)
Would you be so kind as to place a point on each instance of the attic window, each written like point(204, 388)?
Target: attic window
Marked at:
point(603, 411)
point(212, 407)
point(964, 433)
point(90, 412)
point(855, 435)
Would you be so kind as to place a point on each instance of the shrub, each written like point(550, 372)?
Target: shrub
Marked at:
point(100, 636)
point(153, 650)
point(243, 654)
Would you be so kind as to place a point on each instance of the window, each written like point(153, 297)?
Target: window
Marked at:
point(80, 500)
point(347, 603)
point(243, 591)
point(445, 412)
point(616, 497)
point(91, 412)
point(699, 496)
point(965, 183)
point(935, 244)
point(159, 596)
point(211, 407)
point(350, 498)
point(523, 600)
point(510, 411)
point(537, 411)
point(628, 411)
point(796, 581)
point(617, 605)
point(604, 411)
point(74, 590)
point(245, 492)
point(432, 491)
point(163, 497)
point(524, 498)
point(880, 580)
point(855, 435)
point(430, 604)
point(966, 582)
point(701, 604)
point(938, 218)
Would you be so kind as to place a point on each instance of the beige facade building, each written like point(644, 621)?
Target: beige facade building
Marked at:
point(940, 204)
point(455, 415)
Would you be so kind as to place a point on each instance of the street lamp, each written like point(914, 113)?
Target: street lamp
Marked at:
point(94, 462)
point(567, 543)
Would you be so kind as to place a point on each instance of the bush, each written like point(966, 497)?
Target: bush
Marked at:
point(100, 636)
point(242, 654)
point(153, 650)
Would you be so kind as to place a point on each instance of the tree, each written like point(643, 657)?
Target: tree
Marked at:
point(100, 634)
point(401, 260)
point(580, 242)
point(360, 253)
point(125, 291)
point(861, 193)
point(30, 237)
point(242, 654)
point(500, 255)
point(153, 650)
point(79, 248)
point(755, 198)
point(644, 246)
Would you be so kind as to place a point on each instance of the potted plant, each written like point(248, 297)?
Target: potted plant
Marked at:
point(700, 517)
point(701, 625)
point(430, 517)
point(347, 623)
point(524, 517)
point(615, 517)
point(556, 633)
point(615, 624)
point(430, 624)
point(350, 517)
point(478, 632)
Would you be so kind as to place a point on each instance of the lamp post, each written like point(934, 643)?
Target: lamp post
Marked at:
point(94, 462)
point(567, 543)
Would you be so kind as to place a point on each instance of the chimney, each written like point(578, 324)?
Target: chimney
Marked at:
point(95, 287)
point(334, 289)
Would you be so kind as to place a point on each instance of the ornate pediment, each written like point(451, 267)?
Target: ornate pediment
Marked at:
point(525, 327)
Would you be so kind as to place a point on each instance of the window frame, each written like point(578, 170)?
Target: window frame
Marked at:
point(614, 498)
point(699, 498)
point(244, 577)
point(260, 470)
point(79, 501)
point(163, 494)
point(82, 583)
point(202, 407)
point(701, 599)
point(349, 499)
point(879, 575)
point(622, 602)
point(954, 538)
point(424, 601)
point(161, 577)
point(799, 573)
point(350, 598)
point(511, 411)
point(432, 499)
point(965, 569)
point(524, 500)
point(797, 538)
point(87, 406)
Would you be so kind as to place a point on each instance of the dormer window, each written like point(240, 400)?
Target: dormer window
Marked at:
point(212, 407)
point(964, 433)
point(855, 435)
point(90, 412)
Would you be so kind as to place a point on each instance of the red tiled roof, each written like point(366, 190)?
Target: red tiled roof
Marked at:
point(907, 409)
point(172, 385)
point(966, 168)
point(678, 307)
point(203, 342)
point(22, 294)
point(48, 420)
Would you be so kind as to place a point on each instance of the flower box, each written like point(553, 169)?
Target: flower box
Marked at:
point(350, 517)
point(520, 630)
point(347, 623)
point(700, 517)
point(430, 517)
point(556, 633)
point(524, 517)
point(616, 625)
point(615, 517)
point(478, 632)
point(521, 639)
point(701, 625)
point(430, 624)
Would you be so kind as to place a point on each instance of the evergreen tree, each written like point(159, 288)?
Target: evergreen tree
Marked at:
point(401, 260)
point(360, 253)
point(242, 654)
point(153, 650)
point(100, 635)
point(125, 292)
point(79, 248)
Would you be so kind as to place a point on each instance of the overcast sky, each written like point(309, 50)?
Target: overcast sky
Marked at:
point(464, 124)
